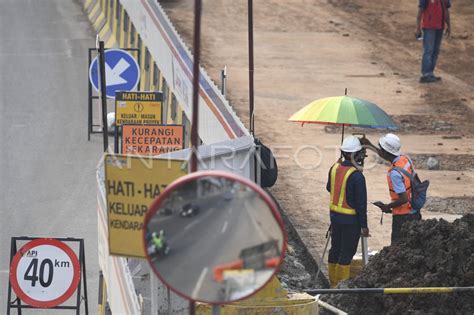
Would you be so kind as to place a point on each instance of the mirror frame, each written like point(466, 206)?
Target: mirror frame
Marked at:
point(154, 207)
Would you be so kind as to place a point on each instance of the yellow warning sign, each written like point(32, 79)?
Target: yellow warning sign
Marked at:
point(138, 108)
point(131, 185)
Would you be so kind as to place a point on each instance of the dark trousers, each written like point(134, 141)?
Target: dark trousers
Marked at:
point(398, 221)
point(344, 241)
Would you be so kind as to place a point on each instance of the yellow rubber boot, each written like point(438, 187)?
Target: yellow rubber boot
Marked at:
point(343, 272)
point(332, 275)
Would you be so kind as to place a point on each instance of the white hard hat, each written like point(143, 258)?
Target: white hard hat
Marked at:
point(391, 144)
point(351, 144)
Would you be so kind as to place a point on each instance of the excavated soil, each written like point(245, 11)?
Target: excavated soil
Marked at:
point(432, 254)
point(447, 162)
point(453, 205)
point(299, 269)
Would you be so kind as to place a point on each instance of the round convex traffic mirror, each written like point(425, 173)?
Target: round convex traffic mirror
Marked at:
point(214, 237)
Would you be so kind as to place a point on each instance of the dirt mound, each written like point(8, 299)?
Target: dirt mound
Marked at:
point(432, 253)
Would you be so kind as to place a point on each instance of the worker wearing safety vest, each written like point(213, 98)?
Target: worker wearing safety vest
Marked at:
point(158, 240)
point(433, 16)
point(347, 209)
point(399, 184)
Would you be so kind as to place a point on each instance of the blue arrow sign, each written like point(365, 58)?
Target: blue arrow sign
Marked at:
point(122, 72)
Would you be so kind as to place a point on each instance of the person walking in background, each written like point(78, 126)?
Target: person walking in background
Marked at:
point(433, 17)
point(399, 184)
point(348, 209)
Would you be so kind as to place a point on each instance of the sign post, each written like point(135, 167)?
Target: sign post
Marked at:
point(103, 89)
point(45, 273)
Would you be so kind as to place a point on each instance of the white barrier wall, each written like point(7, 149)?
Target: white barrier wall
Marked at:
point(217, 120)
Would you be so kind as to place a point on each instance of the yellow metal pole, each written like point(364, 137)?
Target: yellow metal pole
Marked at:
point(421, 290)
point(416, 290)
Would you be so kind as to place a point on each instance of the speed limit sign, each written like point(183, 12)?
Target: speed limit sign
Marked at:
point(45, 273)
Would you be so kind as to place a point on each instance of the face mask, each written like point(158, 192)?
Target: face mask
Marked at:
point(358, 158)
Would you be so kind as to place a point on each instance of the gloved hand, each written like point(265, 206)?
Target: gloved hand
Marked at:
point(365, 232)
point(385, 208)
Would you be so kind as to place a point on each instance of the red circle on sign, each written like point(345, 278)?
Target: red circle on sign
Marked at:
point(66, 295)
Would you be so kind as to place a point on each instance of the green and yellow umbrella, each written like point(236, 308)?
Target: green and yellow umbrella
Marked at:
point(344, 111)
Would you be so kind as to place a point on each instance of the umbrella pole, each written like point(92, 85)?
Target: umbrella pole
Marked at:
point(342, 139)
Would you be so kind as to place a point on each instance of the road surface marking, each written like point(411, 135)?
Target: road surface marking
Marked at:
point(224, 227)
point(258, 228)
point(158, 219)
point(185, 229)
point(191, 224)
point(199, 283)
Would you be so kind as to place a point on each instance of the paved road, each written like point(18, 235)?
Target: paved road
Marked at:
point(47, 167)
point(215, 236)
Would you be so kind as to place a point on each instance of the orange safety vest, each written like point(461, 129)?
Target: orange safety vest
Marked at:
point(404, 162)
point(339, 176)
